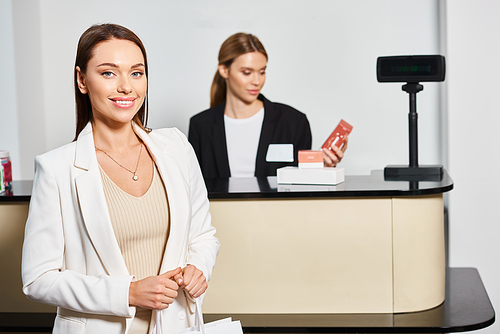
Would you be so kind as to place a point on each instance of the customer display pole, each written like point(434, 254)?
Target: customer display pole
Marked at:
point(413, 89)
point(412, 70)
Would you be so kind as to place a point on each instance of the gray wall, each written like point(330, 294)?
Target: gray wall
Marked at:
point(9, 136)
point(322, 58)
point(473, 46)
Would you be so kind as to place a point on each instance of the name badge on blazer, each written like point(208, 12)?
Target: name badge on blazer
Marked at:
point(279, 153)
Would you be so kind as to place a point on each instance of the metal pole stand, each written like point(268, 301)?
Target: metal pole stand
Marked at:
point(413, 172)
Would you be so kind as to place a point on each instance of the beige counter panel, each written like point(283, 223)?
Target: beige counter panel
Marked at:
point(419, 252)
point(333, 255)
point(13, 217)
point(337, 255)
point(302, 256)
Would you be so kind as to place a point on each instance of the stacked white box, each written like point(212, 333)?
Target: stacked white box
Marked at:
point(325, 175)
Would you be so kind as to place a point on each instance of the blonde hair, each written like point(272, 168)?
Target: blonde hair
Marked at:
point(233, 47)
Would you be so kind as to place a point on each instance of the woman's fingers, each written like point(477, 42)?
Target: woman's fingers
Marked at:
point(198, 289)
point(339, 154)
point(158, 292)
point(172, 273)
point(344, 147)
point(178, 279)
point(195, 282)
point(175, 275)
point(329, 158)
point(332, 156)
point(155, 292)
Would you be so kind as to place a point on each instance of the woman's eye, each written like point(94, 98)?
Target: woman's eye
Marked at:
point(137, 74)
point(246, 73)
point(107, 74)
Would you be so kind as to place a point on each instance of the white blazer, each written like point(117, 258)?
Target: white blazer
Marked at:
point(71, 258)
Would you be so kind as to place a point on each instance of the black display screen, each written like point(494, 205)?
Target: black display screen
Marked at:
point(411, 68)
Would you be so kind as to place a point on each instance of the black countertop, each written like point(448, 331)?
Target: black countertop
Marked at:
point(466, 308)
point(372, 185)
point(21, 192)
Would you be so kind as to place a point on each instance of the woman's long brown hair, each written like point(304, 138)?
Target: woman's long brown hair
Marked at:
point(90, 38)
point(233, 47)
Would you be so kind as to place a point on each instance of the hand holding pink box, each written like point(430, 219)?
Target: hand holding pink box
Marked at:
point(338, 135)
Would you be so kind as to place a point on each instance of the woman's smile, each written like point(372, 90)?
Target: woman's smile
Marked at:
point(123, 102)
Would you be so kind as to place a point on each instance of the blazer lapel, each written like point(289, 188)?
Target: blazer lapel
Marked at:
point(165, 155)
point(265, 136)
point(219, 135)
point(93, 205)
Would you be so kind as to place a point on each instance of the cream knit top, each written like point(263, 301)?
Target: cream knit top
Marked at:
point(141, 225)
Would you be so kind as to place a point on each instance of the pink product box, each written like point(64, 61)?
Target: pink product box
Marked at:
point(338, 135)
point(310, 159)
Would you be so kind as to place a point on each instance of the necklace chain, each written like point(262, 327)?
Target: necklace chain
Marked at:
point(135, 177)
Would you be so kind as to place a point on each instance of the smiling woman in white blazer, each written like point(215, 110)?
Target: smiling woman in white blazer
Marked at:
point(71, 256)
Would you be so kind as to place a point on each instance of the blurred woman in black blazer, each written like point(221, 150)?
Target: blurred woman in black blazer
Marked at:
point(243, 134)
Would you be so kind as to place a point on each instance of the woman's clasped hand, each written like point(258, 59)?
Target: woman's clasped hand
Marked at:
point(158, 292)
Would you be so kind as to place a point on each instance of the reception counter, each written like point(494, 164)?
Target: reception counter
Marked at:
point(13, 213)
point(364, 246)
point(366, 255)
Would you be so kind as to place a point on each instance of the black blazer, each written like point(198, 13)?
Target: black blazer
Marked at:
point(282, 125)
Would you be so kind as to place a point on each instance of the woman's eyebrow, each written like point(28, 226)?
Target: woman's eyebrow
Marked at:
point(251, 68)
point(138, 65)
point(107, 64)
point(114, 65)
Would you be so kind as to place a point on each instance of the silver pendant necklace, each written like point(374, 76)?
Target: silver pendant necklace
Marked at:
point(135, 177)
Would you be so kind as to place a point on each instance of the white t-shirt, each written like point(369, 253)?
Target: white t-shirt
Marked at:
point(242, 140)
